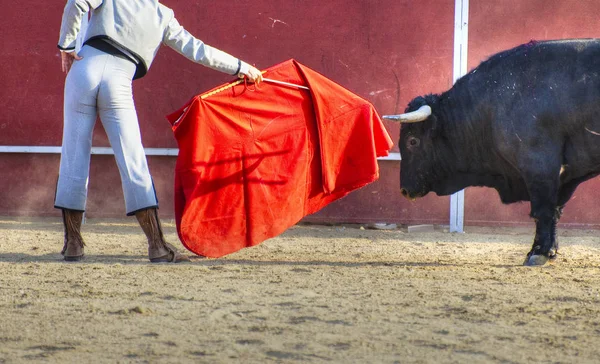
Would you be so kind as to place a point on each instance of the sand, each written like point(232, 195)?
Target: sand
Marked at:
point(339, 294)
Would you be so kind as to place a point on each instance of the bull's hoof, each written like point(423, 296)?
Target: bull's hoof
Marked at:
point(536, 260)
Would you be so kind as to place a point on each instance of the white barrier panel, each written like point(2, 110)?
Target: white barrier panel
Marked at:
point(109, 151)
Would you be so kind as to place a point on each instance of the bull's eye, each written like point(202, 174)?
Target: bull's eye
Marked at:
point(413, 142)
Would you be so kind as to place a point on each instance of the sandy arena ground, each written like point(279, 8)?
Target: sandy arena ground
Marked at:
point(316, 294)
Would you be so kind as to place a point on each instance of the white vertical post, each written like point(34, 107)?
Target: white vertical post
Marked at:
point(461, 41)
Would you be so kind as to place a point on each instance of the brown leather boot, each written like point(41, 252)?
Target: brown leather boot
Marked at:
point(159, 251)
point(73, 249)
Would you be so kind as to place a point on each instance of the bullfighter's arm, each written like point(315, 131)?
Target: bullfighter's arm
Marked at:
point(71, 22)
point(197, 51)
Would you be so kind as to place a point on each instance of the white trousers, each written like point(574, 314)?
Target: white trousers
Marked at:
point(100, 85)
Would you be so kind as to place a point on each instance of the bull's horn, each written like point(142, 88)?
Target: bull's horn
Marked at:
point(411, 117)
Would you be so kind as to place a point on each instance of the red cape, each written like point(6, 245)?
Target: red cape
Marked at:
point(254, 161)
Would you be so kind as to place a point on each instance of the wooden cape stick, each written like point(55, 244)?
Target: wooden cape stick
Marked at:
point(208, 94)
point(285, 83)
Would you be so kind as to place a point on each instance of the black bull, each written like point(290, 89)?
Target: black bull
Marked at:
point(525, 122)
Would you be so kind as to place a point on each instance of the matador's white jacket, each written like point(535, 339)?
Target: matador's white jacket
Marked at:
point(140, 26)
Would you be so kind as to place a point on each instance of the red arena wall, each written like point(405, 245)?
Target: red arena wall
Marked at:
point(386, 51)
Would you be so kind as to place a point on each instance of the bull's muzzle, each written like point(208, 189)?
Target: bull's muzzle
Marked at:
point(404, 192)
point(411, 196)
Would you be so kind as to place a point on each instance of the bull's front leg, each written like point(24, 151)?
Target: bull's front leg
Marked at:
point(546, 214)
point(545, 245)
point(541, 174)
point(536, 241)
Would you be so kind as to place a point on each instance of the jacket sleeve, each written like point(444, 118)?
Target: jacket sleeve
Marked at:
point(71, 21)
point(195, 50)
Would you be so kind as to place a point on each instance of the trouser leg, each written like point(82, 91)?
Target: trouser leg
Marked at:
point(79, 119)
point(119, 118)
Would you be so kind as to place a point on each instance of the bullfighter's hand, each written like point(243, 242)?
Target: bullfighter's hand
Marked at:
point(67, 59)
point(254, 75)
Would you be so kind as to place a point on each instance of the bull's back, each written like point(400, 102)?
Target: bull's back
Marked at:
point(538, 74)
point(541, 92)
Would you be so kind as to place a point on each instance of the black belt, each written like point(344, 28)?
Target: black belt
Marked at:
point(104, 46)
